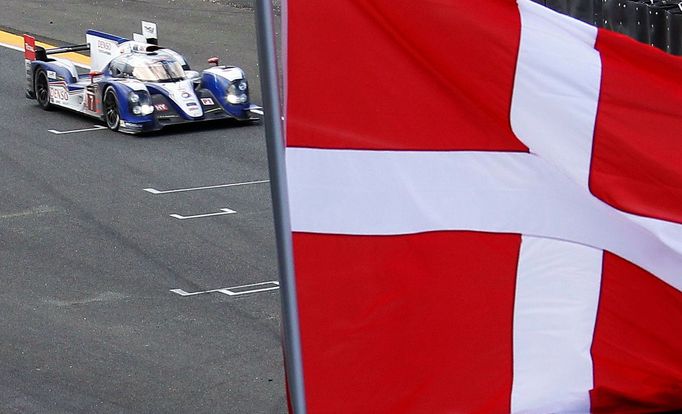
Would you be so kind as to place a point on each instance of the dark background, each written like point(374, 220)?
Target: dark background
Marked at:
point(657, 23)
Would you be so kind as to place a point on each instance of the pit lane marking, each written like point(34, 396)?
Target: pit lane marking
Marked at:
point(95, 128)
point(180, 190)
point(235, 290)
point(222, 212)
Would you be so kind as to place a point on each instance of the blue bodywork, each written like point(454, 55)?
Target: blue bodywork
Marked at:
point(131, 123)
point(216, 83)
point(206, 91)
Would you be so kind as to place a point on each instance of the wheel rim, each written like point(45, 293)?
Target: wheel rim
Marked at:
point(111, 111)
point(42, 89)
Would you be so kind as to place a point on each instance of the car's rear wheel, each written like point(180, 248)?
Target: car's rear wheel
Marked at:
point(42, 89)
point(110, 105)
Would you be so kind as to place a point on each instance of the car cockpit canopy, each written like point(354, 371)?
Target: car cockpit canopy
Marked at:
point(147, 67)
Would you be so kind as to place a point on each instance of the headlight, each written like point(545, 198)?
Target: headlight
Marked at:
point(140, 103)
point(146, 109)
point(236, 92)
point(237, 99)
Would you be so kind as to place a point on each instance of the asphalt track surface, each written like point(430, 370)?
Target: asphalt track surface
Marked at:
point(88, 322)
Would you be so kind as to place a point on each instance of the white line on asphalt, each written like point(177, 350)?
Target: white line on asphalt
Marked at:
point(230, 291)
point(222, 212)
point(32, 212)
point(11, 47)
point(155, 191)
point(95, 128)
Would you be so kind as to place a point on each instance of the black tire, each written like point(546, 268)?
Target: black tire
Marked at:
point(42, 89)
point(112, 117)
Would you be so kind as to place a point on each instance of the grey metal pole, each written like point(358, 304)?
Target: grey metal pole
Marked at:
point(269, 78)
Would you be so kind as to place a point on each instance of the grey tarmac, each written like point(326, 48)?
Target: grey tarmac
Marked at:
point(88, 258)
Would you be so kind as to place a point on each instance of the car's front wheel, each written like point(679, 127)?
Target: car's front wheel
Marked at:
point(42, 89)
point(110, 106)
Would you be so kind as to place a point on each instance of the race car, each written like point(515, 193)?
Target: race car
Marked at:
point(136, 86)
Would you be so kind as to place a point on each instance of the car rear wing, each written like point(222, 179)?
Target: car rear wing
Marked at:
point(33, 52)
point(29, 47)
point(29, 56)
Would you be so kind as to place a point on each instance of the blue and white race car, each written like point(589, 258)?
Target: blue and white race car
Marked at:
point(136, 86)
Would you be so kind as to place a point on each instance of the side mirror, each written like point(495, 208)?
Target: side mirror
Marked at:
point(215, 60)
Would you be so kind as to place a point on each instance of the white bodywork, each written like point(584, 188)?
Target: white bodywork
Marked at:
point(81, 100)
point(149, 31)
point(102, 50)
point(66, 64)
point(182, 93)
point(227, 72)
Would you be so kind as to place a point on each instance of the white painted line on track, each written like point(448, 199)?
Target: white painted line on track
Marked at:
point(95, 128)
point(180, 190)
point(27, 213)
point(258, 287)
point(222, 212)
point(11, 47)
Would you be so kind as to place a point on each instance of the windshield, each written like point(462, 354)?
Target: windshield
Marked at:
point(158, 71)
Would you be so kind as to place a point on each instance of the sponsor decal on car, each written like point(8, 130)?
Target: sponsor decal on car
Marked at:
point(192, 104)
point(105, 46)
point(90, 102)
point(161, 107)
point(207, 101)
point(58, 92)
point(186, 95)
point(51, 74)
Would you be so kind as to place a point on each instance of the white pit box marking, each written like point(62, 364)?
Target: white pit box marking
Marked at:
point(94, 128)
point(180, 190)
point(235, 290)
point(222, 212)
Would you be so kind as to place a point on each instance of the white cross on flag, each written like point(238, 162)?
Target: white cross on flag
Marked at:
point(486, 206)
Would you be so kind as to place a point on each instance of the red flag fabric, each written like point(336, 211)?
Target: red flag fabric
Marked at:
point(484, 205)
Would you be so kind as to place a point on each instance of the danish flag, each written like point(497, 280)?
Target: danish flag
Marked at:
point(486, 206)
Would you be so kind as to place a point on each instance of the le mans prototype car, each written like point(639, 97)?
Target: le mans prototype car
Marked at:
point(135, 86)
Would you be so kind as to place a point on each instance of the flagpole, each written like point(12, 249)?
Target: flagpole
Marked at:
point(269, 78)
